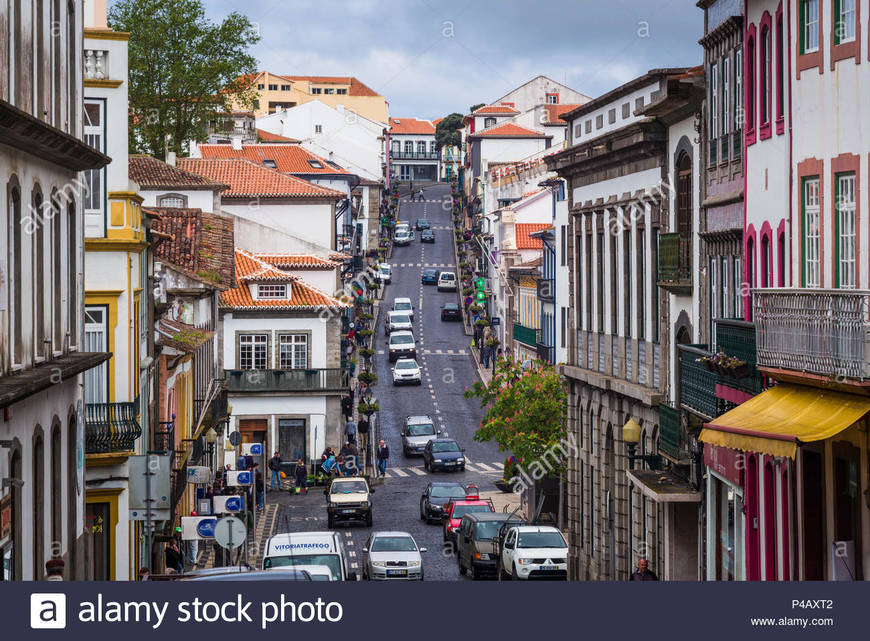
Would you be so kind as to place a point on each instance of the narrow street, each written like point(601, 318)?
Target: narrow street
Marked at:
point(448, 368)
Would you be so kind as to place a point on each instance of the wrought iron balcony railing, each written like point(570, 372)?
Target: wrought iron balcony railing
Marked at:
point(525, 335)
point(819, 331)
point(697, 383)
point(415, 155)
point(287, 380)
point(669, 431)
point(111, 427)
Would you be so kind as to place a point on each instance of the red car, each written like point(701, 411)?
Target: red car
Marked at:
point(457, 508)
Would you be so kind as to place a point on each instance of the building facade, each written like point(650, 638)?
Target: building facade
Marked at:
point(411, 150)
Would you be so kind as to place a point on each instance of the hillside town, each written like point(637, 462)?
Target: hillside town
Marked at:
point(634, 325)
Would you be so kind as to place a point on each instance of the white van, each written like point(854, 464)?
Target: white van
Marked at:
point(309, 548)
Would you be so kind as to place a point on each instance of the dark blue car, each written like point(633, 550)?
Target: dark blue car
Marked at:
point(430, 277)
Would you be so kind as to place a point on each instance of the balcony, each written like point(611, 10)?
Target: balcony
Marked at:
point(414, 155)
point(111, 427)
point(526, 335)
point(335, 379)
point(817, 331)
point(697, 383)
point(669, 431)
point(737, 338)
point(675, 263)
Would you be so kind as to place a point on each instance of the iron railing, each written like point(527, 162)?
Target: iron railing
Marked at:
point(111, 427)
point(669, 430)
point(697, 383)
point(525, 335)
point(333, 379)
point(736, 337)
point(820, 331)
point(675, 260)
point(414, 155)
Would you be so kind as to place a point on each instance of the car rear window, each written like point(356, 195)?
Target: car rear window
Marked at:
point(401, 340)
point(461, 510)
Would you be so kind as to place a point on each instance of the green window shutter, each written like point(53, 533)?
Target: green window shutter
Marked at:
point(802, 25)
point(837, 28)
point(836, 220)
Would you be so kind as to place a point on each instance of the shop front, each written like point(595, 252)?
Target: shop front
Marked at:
point(725, 518)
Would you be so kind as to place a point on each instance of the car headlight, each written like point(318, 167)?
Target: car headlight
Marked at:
point(414, 564)
point(482, 556)
point(460, 460)
point(379, 564)
point(524, 561)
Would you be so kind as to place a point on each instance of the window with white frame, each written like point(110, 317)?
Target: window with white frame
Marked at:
point(488, 122)
point(845, 28)
point(409, 147)
point(293, 351)
point(421, 147)
point(714, 101)
point(404, 172)
point(809, 26)
point(846, 231)
point(94, 135)
point(172, 200)
point(811, 232)
point(253, 351)
point(272, 291)
point(97, 340)
point(318, 129)
point(738, 89)
point(726, 96)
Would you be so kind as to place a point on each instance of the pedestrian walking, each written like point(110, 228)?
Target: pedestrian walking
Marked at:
point(643, 573)
point(259, 486)
point(484, 355)
point(350, 431)
point(383, 456)
point(242, 463)
point(363, 429)
point(172, 558)
point(349, 455)
point(301, 476)
point(275, 469)
point(54, 570)
point(347, 406)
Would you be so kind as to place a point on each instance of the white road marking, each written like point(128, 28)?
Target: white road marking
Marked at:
point(485, 467)
point(399, 472)
point(417, 471)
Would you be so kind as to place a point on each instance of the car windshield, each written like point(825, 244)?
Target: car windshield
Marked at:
point(448, 277)
point(421, 429)
point(449, 492)
point(430, 272)
point(445, 446)
point(393, 544)
point(486, 530)
point(406, 365)
point(349, 487)
point(461, 510)
point(398, 339)
point(451, 307)
point(398, 319)
point(329, 560)
point(385, 269)
point(541, 540)
point(401, 305)
point(402, 232)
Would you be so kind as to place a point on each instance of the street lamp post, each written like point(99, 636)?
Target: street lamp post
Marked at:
point(211, 439)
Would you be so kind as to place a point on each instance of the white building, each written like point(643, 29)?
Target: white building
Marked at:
point(43, 354)
point(281, 347)
point(335, 133)
point(540, 90)
point(411, 150)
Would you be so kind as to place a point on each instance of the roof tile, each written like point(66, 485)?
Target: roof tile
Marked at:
point(151, 173)
point(524, 241)
point(411, 126)
point(289, 159)
point(508, 130)
point(248, 180)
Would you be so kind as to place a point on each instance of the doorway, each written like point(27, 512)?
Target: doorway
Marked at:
point(814, 515)
point(254, 430)
point(291, 439)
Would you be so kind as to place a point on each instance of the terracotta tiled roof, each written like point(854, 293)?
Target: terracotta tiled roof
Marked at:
point(248, 180)
point(503, 110)
point(250, 268)
point(411, 126)
point(268, 136)
point(197, 243)
point(555, 111)
point(436, 121)
point(289, 159)
point(508, 130)
point(298, 261)
point(356, 87)
point(150, 173)
point(524, 241)
point(341, 258)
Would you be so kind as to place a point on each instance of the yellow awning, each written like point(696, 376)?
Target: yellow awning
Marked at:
point(778, 419)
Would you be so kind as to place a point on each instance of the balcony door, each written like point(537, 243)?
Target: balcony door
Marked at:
point(684, 206)
point(97, 340)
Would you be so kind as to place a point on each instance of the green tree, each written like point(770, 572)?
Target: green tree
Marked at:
point(476, 107)
point(447, 131)
point(525, 415)
point(183, 69)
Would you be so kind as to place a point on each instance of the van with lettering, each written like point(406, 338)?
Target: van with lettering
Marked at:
point(304, 549)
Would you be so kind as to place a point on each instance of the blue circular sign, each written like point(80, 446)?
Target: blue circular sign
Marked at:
point(234, 504)
point(205, 528)
point(244, 478)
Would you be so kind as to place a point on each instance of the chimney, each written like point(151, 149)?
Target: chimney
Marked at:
point(237, 143)
point(170, 158)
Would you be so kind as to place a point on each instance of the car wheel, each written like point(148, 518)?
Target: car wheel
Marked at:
point(502, 575)
point(330, 521)
point(425, 465)
point(369, 519)
point(462, 569)
point(423, 515)
point(475, 575)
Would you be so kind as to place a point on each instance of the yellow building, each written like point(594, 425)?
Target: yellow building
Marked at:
point(276, 93)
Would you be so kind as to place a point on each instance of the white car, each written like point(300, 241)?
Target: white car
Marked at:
point(401, 345)
point(392, 556)
point(384, 273)
point(404, 305)
point(403, 237)
point(533, 552)
point(397, 322)
point(446, 282)
point(406, 371)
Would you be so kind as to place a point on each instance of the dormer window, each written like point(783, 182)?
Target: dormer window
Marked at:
point(272, 291)
point(552, 99)
point(270, 163)
point(488, 122)
point(315, 164)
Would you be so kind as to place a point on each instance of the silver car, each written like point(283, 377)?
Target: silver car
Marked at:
point(417, 431)
point(392, 555)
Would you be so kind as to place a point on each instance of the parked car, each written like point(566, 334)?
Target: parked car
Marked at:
point(451, 312)
point(476, 546)
point(403, 304)
point(422, 224)
point(397, 322)
point(446, 282)
point(427, 236)
point(392, 556)
point(455, 509)
point(348, 499)
point(401, 344)
point(403, 237)
point(443, 454)
point(429, 277)
point(406, 371)
point(416, 433)
point(384, 273)
point(534, 552)
point(436, 495)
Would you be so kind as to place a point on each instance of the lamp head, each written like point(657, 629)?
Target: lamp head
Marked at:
point(211, 436)
point(631, 432)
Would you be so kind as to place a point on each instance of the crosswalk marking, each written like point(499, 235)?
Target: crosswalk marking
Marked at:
point(417, 471)
point(399, 471)
point(484, 467)
point(406, 471)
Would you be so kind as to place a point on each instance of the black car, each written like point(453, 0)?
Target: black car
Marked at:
point(422, 224)
point(427, 236)
point(435, 496)
point(429, 277)
point(443, 454)
point(450, 312)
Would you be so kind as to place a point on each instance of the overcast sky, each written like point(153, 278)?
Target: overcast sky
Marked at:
point(433, 57)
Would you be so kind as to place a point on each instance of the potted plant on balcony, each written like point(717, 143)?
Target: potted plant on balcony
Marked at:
point(735, 367)
point(707, 362)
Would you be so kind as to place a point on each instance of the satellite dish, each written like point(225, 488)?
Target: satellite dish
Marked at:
point(235, 439)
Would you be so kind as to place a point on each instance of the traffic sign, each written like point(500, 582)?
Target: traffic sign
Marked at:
point(243, 477)
point(197, 527)
point(480, 283)
point(254, 449)
point(223, 504)
point(198, 474)
point(230, 532)
point(235, 439)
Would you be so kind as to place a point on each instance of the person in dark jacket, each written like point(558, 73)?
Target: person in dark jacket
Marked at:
point(275, 469)
point(301, 476)
point(349, 456)
point(259, 485)
point(172, 558)
point(383, 456)
point(643, 573)
point(347, 407)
